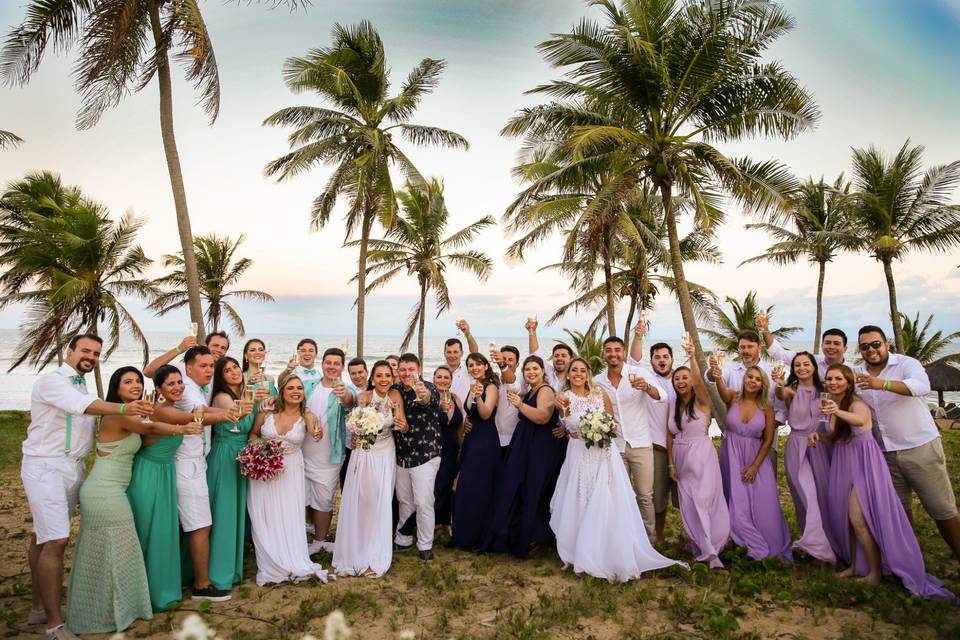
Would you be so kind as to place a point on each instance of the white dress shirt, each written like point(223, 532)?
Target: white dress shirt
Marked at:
point(461, 381)
point(778, 352)
point(193, 446)
point(549, 371)
point(903, 422)
point(55, 395)
point(631, 407)
point(660, 412)
point(507, 414)
point(310, 377)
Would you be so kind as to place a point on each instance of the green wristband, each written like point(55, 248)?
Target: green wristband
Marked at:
point(887, 385)
point(123, 408)
point(178, 349)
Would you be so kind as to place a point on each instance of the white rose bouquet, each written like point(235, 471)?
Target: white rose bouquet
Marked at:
point(365, 424)
point(597, 428)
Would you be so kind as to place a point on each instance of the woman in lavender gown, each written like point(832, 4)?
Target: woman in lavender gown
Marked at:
point(756, 519)
point(863, 502)
point(807, 469)
point(694, 466)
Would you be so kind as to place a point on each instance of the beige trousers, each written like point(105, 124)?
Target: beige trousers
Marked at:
point(640, 467)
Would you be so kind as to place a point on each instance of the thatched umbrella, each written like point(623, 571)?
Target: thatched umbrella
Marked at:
point(943, 377)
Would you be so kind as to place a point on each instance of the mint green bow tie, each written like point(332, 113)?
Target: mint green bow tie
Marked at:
point(78, 380)
point(205, 388)
point(310, 372)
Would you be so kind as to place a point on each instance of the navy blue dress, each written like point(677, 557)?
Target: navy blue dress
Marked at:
point(521, 514)
point(480, 466)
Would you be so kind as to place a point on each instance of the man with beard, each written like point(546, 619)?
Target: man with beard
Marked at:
point(833, 345)
point(555, 371)
point(664, 488)
point(896, 387)
point(217, 342)
point(60, 435)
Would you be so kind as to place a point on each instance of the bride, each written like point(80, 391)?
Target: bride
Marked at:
point(276, 506)
point(594, 511)
point(364, 541)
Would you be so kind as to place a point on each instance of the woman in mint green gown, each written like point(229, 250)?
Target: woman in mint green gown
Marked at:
point(108, 582)
point(228, 489)
point(153, 496)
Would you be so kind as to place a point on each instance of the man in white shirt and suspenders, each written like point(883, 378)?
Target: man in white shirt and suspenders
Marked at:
point(60, 434)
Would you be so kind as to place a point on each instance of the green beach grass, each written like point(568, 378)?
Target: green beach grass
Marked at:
point(466, 596)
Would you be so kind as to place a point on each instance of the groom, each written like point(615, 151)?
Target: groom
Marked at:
point(418, 455)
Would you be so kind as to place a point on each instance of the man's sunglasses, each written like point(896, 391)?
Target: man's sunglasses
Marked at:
point(875, 345)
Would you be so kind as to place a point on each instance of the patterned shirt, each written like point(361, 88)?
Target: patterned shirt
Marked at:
point(422, 442)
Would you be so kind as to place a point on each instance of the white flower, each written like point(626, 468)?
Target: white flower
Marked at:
point(194, 628)
point(407, 634)
point(336, 627)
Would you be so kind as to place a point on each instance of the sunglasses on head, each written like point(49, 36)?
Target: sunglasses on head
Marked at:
point(876, 344)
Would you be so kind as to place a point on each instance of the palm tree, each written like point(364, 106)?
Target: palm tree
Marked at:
point(9, 140)
point(80, 265)
point(900, 208)
point(415, 245)
point(640, 265)
point(123, 45)
point(927, 350)
point(742, 318)
point(219, 269)
point(356, 135)
point(815, 225)
point(589, 346)
point(681, 76)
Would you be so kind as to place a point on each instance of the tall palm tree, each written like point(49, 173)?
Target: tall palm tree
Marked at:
point(80, 266)
point(123, 45)
point(742, 318)
point(641, 265)
point(9, 140)
point(220, 268)
point(689, 74)
point(415, 245)
point(356, 134)
point(815, 225)
point(900, 208)
point(927, 349)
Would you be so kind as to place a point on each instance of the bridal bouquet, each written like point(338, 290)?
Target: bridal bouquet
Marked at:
point(597, 428)
point(365, 424)
point(261, 459)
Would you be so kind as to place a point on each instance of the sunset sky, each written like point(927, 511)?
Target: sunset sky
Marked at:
point(882, 71)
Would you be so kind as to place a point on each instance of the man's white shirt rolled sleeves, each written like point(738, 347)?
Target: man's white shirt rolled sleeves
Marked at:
point(631, 407)
point(903, 422)
point(460, 382)
point(56, 396)
point(193, 446)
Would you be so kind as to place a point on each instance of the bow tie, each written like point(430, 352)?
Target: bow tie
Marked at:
point(78, 380)
point(310, 372)
point(205, 388)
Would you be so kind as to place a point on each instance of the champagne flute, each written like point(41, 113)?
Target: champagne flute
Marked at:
point(248, 393)
point(345, 346)
point(198, 415)
point(152, 397)
point(236, 424)
point(824, 398)
point(395, 411)
point(645, 320)
point(194, 329)
point(721, 357)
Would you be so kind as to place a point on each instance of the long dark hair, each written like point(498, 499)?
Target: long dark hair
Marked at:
point(243, 355)
point(841, 428)
point(113, 389)
point(678, 408)
point(794, 381)
point(220, 384)
point(488, 377)
point(373, 370)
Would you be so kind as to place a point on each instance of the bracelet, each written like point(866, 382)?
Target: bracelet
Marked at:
point(123, 408)
point(178, 349)
point(669, 466)
point(887, 385)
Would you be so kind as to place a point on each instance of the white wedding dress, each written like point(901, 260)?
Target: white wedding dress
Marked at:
point(594, 511)
point(276, 515)
point(364, 542)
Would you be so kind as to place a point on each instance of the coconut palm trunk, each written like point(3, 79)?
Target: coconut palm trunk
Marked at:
point(894, 309)
point(362, 277)
point(423, 317)
point(819, 330)
point(608, 285)
point(630, 312)
point(176, 172)
point(683, 297)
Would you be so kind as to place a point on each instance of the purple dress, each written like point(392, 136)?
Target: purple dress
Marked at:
point(702, 505)
point(858, 465)
point(756, 520)
point(808, 481)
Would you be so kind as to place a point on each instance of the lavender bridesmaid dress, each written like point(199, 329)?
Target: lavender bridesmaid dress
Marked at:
point(756, 520)
point(702, 505)
point(858, 465)
point(805, 418)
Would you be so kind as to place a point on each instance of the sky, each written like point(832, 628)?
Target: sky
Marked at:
point(882, 71)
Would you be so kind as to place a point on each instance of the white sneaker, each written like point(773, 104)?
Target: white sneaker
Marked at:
point(327, 546)
point(315, 547)
point(61, 633)
point(310, 528)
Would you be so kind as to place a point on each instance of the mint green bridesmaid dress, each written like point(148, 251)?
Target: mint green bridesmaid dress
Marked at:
point(153, 498)
point(108, 581)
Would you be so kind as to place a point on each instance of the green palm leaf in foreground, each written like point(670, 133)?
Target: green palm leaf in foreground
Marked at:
point(220, 269)
point(355, 134)
point(927, 349)
point(415, 246)
point(9, 140)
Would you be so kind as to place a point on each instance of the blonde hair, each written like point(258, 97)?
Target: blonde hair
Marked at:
point(763, 397)
point(279, 403)
point(589, 383)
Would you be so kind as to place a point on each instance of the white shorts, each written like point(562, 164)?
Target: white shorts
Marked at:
point(193, 498)
point(52, 486)
point(321, 482)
